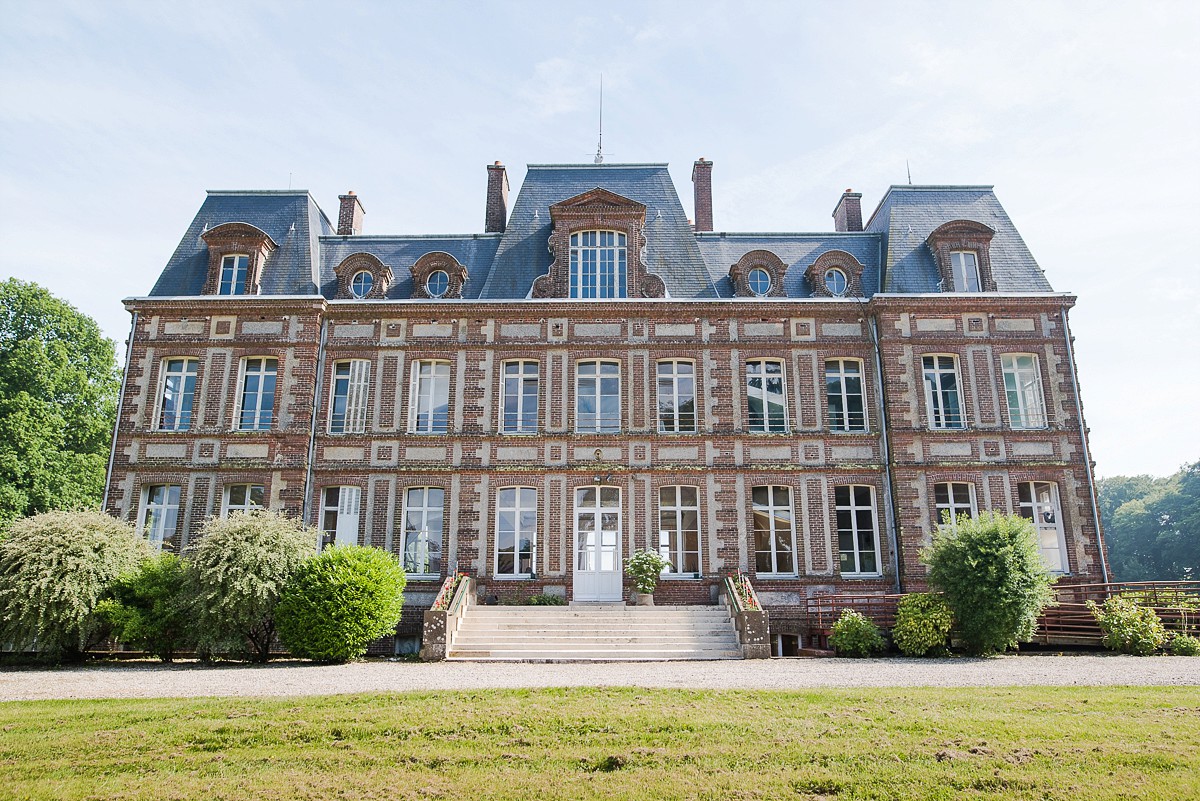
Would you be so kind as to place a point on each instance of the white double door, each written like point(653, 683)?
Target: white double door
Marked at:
point(598, 544)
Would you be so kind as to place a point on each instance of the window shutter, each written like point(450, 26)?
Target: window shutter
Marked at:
point(357, 396)
point(347, 520)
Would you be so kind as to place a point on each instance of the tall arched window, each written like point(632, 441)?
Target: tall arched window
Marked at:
point(598, 268)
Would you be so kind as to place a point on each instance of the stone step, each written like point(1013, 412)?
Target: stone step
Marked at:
point(600, 655)
point(464, 640)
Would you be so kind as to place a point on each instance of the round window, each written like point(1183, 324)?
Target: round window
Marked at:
point(361, 283)
point(437, 283)
point(759, 281)
point(835, 281)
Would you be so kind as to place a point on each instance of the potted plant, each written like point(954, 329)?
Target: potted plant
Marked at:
point(645, 567)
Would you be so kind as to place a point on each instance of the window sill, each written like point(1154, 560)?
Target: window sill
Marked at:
point(518, 577)
point(860, 576)
point(423, 577)
point(775, 576)
point(849, 431)
point(680, 577)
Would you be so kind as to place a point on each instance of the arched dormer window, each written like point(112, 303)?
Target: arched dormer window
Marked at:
point(362, 276)
point(758, 274)
point(438, 276)
point(962, 251)
point(236, 254)
point(598, 244)
point(835, 274)
point(598, 264)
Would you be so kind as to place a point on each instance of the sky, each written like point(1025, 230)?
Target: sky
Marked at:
point(116, 117)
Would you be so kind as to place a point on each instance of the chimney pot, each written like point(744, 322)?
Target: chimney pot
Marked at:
point(702, 185)
point(495, 218)
point(847, 215)
point(350, 215)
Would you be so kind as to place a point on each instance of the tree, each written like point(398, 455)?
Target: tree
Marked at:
point(54, 569)
point(1152, 525)
point(237, 573)
point(58, 391)
point(338, 603)
point(993, 577)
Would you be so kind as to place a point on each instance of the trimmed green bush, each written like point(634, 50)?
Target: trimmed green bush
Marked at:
point(339, 602)
point(923, 622)
point(147, 608)
point(1184, 645)
point(855, 634)
point(55, 568)
point(1128, 626)
point(236, 574)
point(992, 576)
point(543, 599)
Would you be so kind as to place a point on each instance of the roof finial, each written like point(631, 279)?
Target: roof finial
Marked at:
point(909, 169)
point(600, 142)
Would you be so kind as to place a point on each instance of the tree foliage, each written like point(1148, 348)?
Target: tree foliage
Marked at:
point(1152, 525)
point(55, 568)
point(58, 391)
point(993, 577)
point(338, 603)
point(236, 575)
point(147, 608)
point(1128, 626)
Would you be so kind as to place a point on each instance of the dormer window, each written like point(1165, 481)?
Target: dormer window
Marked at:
point(233, 274)
point(835, 281)
point(965, 268)
point(598, 266)
point(361, 283)
point(759, 281)
point(962, 253)
point(437, 284)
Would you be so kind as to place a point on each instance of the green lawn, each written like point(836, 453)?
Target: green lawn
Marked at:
point(1069, 743)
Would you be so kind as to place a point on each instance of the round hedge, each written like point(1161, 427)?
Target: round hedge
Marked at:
point(339, 602)
point(923, 622)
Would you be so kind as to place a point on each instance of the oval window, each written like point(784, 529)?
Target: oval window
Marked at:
point(835, 281)
point(759, 281)
point(361, 283)
point(437, 283)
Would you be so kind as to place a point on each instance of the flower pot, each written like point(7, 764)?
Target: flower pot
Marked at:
point(642, 598)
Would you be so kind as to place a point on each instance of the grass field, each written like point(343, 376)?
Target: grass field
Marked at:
point(1069, 743)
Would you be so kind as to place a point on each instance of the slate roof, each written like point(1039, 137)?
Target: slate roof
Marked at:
point(291, 218)
point(671, 250)
point(908, 214)
point(797, 251)
point(692, 265)
point(475, 251)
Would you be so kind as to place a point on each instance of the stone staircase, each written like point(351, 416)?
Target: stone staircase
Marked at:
point(594, 633)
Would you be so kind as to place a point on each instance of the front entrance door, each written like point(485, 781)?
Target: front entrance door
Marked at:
point(598, 544)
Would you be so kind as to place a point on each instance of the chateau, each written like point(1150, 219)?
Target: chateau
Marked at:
point(594, 373)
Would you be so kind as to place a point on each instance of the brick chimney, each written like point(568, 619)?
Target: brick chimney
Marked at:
point(350, 215)
point(848, 214)
point(702, 182)
point(496, 215)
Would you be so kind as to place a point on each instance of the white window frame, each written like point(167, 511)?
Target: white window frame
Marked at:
point(935, 396)
point(262, 419)
point(357, 290)
point(425, 391)
point(960, 500)
point(425, 548)
point(672, 381)
point(602, 423)
point(235, 270)
point(752, 279)
point(770, 513)
point(836, 368)
point(527, 370)
point(352, 388)
point(964, 269)
point(1023, 391)
point(672, 541)
point(852, 507)
point(429, 290)
point(169, 381)
point(608, 277)
point(158, 518)
point(517, 502)
point(248, 505)
point(1044, 510)
point(340, 507)
point(766, 426)
point(840, 274)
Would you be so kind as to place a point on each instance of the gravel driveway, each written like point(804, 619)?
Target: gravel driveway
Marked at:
point(146, 680)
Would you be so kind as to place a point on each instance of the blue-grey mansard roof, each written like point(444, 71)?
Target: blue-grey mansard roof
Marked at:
point(892, 247)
